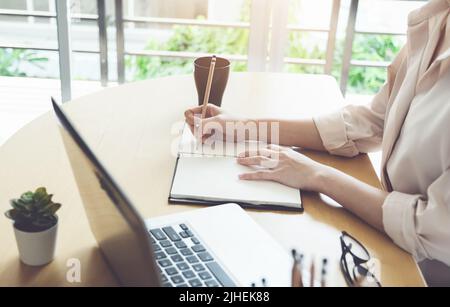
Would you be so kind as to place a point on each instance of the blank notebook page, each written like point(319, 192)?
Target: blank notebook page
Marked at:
point(212, 178)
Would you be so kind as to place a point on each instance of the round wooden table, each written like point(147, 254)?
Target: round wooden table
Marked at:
point(132, 128)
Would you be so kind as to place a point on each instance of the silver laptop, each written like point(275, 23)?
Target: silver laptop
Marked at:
point(213, 247)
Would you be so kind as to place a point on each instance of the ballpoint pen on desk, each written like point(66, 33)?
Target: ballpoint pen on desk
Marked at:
point(312, 272)
point(323, 272)
point(207, 94)
point(297, 270)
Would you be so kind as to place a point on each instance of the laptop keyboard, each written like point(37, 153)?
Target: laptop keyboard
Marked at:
point(184, 261)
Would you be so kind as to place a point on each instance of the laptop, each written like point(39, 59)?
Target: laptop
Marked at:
point(219, 246)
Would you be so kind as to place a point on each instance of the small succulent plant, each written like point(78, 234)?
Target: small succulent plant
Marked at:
point(33, 212)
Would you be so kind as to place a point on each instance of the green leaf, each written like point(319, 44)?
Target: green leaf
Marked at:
point(27, 197)
point(19, 205)
point(45, 208)
point(11, 214)
point(54, 208)
point(43, 202)
point(40, 193)
point(15, 215)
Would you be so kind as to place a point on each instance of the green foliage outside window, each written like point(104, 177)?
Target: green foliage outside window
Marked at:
point(373, 48)
point(235, 41)
point(189, 39)
point(11, 61)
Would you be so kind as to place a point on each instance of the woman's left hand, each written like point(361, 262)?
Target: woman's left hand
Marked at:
point(283, 165)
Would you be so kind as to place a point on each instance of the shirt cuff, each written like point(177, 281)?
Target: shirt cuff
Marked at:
point(332, 131)
point(399, 222)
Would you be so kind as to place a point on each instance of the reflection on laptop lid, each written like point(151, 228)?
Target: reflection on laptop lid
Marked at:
point(117, 226)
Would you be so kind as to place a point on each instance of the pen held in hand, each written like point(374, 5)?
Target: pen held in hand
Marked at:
point(208, 85)
point(207, 93)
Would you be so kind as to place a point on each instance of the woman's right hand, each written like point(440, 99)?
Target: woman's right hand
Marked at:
point(214, 123)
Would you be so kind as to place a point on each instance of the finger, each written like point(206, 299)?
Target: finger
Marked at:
point(275, 147)
point(196, 110)
point(259, 175)
point(205, 127)
point(212, 110)
point(257, 160)
point(191, 113)
point(189, 117)
point(260, 152)
point(252, 160)
point(208, 137)
point(211, 121)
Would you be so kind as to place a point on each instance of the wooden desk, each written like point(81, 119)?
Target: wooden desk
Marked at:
point(132, 128)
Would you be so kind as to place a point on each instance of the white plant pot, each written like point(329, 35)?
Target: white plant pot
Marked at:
point(36, 248)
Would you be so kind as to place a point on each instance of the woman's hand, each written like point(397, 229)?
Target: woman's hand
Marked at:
point(293, 169)
point(283, 165)
point(214, 123)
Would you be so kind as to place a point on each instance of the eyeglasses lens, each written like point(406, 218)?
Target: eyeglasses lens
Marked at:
point(355, 248)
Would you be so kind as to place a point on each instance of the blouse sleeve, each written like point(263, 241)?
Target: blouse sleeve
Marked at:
point(358, 128)
point(420, 224)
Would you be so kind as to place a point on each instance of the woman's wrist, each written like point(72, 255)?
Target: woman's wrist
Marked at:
point(323, 178)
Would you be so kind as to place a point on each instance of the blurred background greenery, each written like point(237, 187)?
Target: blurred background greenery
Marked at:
point(234, 41)
point(303, 45)
point(365, 80)
point(12, 61)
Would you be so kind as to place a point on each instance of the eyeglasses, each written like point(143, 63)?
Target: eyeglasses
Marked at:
point(360, 256)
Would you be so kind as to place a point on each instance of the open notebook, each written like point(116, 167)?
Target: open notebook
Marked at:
point(209, 175)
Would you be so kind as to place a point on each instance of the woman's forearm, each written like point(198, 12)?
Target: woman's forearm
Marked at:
point(358, 197)
point(300, 133)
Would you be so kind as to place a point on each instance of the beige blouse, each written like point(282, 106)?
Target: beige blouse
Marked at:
point(410, 120)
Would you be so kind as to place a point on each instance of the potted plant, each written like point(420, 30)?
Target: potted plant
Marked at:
point(35, 226)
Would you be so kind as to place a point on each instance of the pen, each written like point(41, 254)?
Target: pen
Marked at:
point(207, 91)
point(323, 273)
point(311, 273)
point(296, 279)
point(294, 273)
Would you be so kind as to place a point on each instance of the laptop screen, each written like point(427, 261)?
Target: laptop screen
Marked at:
point(118, 228)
